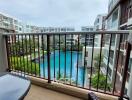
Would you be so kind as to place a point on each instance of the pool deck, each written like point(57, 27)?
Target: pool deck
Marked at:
point(39, 93)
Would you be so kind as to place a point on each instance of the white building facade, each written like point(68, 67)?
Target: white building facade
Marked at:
point(88, 39)
point(118, 18)
point(100, 22)
point(10, 24)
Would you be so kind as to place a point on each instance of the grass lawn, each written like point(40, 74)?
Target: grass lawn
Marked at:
point(36, 54)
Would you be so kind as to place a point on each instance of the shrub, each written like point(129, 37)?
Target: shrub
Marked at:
point(102, 81)
point(21, 64)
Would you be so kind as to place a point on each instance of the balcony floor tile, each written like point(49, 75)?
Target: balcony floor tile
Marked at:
point(39, 93)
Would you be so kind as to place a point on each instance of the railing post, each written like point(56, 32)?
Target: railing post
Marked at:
point(7, 53)
point(128, 50)
point(3, 54)
point(48, 57)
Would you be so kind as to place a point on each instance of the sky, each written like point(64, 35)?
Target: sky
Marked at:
point(55, 13)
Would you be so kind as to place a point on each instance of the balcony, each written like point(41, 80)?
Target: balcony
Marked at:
point(39, 93)
point(126, 12)
point(56, 67)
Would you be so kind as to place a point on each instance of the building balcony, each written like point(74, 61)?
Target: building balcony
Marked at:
point(54, 67)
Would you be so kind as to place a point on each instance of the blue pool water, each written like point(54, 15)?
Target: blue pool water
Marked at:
point(43, 66)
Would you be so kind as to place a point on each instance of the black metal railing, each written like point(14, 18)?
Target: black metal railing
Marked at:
point(48, 56)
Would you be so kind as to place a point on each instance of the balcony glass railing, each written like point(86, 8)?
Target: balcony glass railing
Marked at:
point(38, 55)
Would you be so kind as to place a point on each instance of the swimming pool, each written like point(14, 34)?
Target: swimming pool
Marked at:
point(43, 66)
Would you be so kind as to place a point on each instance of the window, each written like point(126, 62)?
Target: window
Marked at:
point(15, 21)
point(125, 92)
point(124, 11)
point(20, 29)
point(130, 9)
point(128, 76)
point(91, 29)
point(97, 27)
point(16, 27)
point(130, 64)
point(5, 18)
point(113, 39)
point(5, 25)
point(85, 63)
point(27, 26)
point(86, 53)
point(111, 54)
point(115, 16)
point(109, 71)
point(106, 53)
point(98, 20)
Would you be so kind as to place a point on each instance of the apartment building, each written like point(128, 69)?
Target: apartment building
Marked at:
point(57, 29)
point(88, 39)
point(100, 22)
point(113, 15)
point(5, 24)
point(100, 25)
point(112, 24)
point(119, 14)
point(87, 28)
point(126, 14)
point(118, 18)
point(88, 56)
point(10, 24)
point(28, 28)
point(88, 62)
point(69, 38)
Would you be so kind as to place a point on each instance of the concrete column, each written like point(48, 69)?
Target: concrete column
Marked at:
point(129, 93)
point(3, 54)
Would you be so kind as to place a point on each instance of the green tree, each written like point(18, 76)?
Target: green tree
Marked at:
point(23, 47)
point(101, 83)
point(98, 61)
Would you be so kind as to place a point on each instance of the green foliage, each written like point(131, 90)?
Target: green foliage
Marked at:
point(98, 60)
point(102, 81)
point(66, 79)
point(21, 64)
point(59, 76)
point(74, 47)
point(23, 47)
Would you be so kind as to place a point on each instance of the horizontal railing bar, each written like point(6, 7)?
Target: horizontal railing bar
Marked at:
point(75, 33)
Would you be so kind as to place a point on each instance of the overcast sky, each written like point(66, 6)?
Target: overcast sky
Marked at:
point(55, 12)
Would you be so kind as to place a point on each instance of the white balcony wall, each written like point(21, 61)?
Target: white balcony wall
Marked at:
point(3, 55)
point(129, 93)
